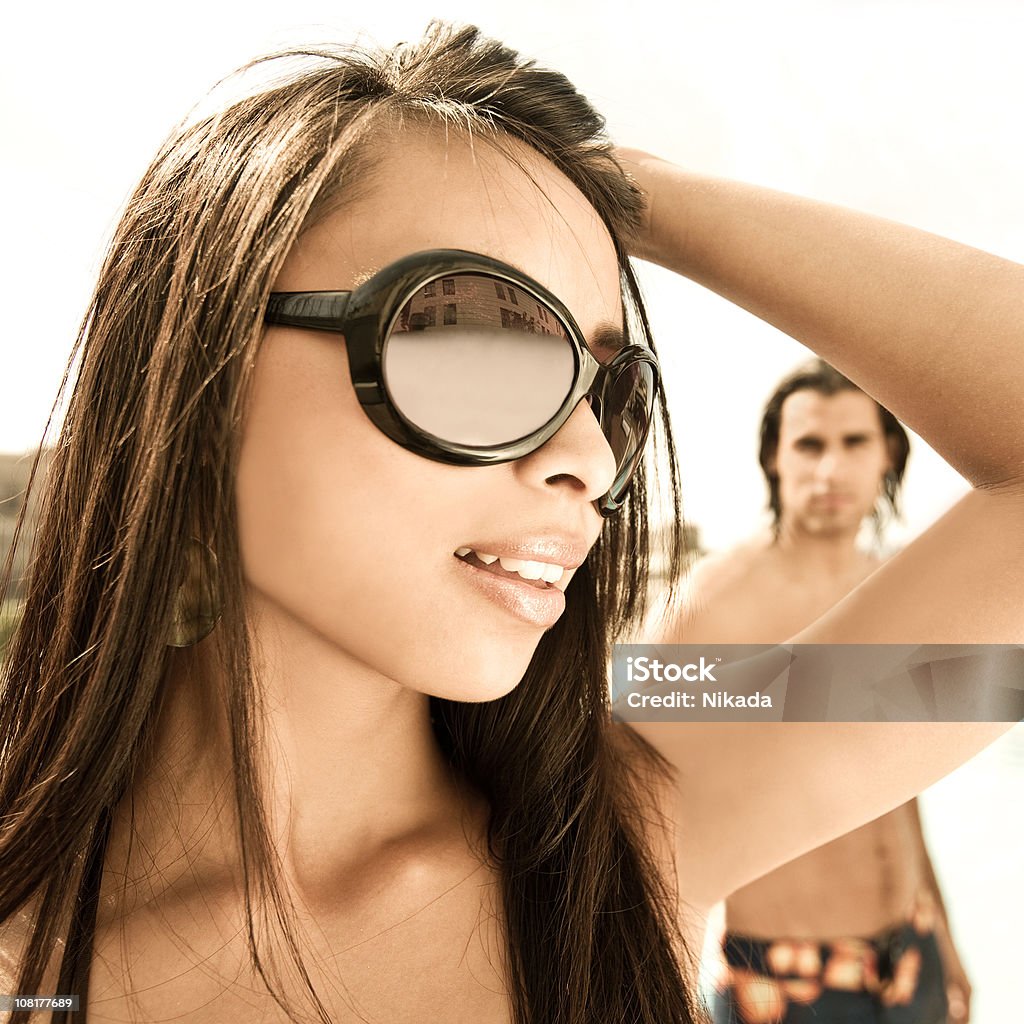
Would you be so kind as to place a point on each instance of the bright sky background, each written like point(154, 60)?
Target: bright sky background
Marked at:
point(908, 108)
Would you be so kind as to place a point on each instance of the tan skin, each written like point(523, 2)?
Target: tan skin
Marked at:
point(929, 327)
point(830, 463)
point(405, 926)
point(361, 617)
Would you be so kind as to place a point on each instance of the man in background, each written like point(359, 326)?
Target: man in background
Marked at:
point(855, 931)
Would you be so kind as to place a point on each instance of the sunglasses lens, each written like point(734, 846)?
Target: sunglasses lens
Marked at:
point(628, 408)
point(476, 361)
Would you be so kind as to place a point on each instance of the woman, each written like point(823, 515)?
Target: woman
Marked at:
point(374, 776)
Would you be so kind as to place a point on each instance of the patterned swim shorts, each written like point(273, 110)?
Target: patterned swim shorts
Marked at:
point(891, 978)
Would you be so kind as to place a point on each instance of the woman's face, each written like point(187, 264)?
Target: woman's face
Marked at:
point(352, 539)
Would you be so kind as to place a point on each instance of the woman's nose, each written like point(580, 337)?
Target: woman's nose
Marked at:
point(578, 458)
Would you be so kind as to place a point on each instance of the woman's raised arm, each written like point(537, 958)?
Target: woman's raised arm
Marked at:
point(932, 329)
point(935, 331)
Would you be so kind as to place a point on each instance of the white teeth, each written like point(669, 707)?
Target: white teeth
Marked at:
point(552, 573)
point(533, 570)
point(529, 570)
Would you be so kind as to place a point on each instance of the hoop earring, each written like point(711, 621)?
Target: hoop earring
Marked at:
point(197, 604)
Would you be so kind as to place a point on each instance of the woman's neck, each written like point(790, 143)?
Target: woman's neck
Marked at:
point(349, 762)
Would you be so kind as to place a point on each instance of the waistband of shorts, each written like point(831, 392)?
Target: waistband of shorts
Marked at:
point(851, 965)
point(747, 951)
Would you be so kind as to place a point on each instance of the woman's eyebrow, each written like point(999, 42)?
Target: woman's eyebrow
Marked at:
point(606, 340)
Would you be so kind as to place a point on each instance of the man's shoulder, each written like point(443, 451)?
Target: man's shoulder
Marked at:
point(734, 568)
point(719, 594)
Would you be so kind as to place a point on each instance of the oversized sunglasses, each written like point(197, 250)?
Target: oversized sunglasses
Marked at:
point(465, 360)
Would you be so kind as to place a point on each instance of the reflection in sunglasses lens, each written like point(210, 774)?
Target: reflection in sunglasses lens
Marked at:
point(477, 361)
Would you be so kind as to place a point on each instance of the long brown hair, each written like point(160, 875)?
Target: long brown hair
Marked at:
point(146, 459)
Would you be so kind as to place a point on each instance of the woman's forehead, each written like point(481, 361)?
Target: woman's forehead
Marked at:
point(431, 189)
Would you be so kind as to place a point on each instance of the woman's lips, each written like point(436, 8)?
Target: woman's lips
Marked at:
point(531, 601)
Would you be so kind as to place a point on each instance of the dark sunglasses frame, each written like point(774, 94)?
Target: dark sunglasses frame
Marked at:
point(366, 316)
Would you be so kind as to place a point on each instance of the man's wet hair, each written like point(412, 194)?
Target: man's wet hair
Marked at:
point(825, 379)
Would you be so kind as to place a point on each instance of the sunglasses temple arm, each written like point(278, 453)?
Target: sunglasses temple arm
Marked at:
point(323, 311)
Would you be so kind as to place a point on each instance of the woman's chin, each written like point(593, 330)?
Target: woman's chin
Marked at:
point(477, 680)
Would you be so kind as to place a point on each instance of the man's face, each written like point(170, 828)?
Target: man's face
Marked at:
point(831, 460)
